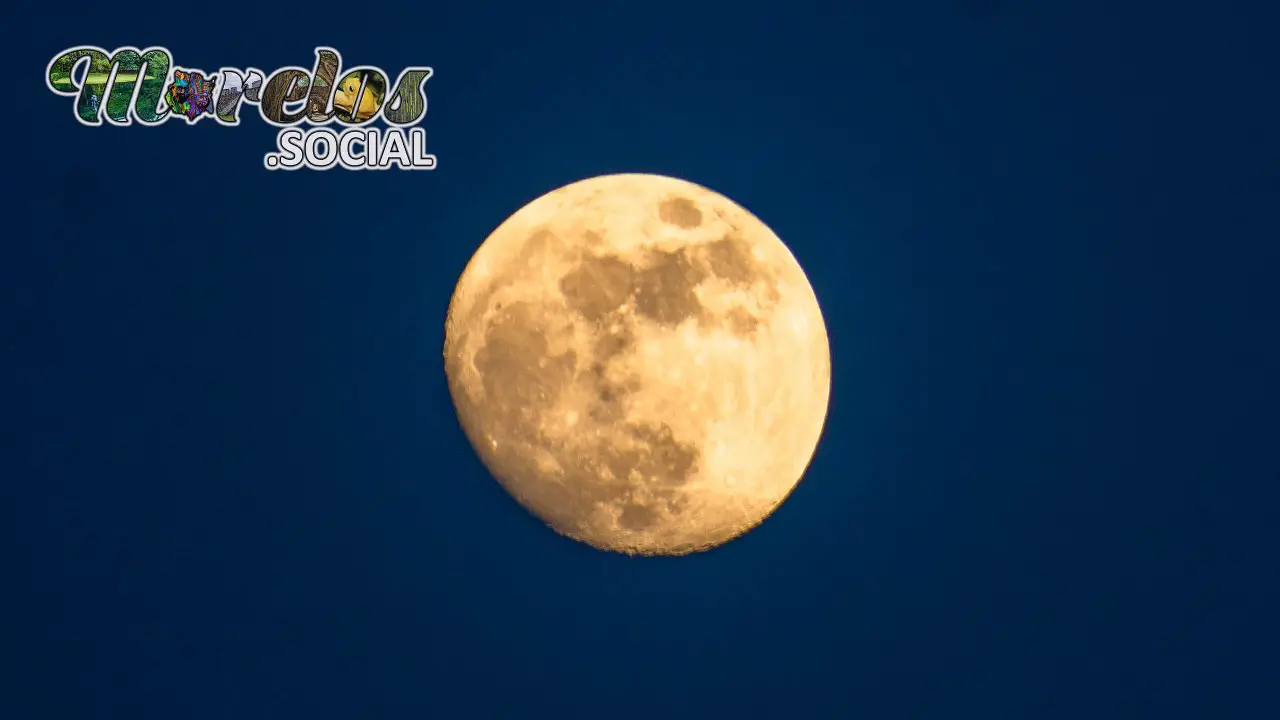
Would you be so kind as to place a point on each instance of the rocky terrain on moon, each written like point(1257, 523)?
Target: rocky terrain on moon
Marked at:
point(552, 379)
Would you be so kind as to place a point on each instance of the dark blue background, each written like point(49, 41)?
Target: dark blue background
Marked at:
point(1044, 238)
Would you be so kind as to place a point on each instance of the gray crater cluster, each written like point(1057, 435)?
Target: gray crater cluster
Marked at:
point(638, 468)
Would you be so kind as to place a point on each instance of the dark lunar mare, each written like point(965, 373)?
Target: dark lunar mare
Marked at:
point(680, 211)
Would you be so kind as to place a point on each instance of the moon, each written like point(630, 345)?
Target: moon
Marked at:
point(640, 362)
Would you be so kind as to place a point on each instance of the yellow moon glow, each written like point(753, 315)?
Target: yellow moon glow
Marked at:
point(640, 362)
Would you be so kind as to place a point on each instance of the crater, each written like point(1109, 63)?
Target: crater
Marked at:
point(665, 290)
point(681, 212)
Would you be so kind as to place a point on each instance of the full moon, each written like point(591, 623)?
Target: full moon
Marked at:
point(640, 362)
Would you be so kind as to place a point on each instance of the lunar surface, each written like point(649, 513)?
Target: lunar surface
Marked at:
point(640, 362)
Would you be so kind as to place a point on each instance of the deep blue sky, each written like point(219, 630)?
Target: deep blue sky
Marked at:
point(1044, 237)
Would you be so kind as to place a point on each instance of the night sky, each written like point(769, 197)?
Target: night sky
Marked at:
point(1044, 237)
